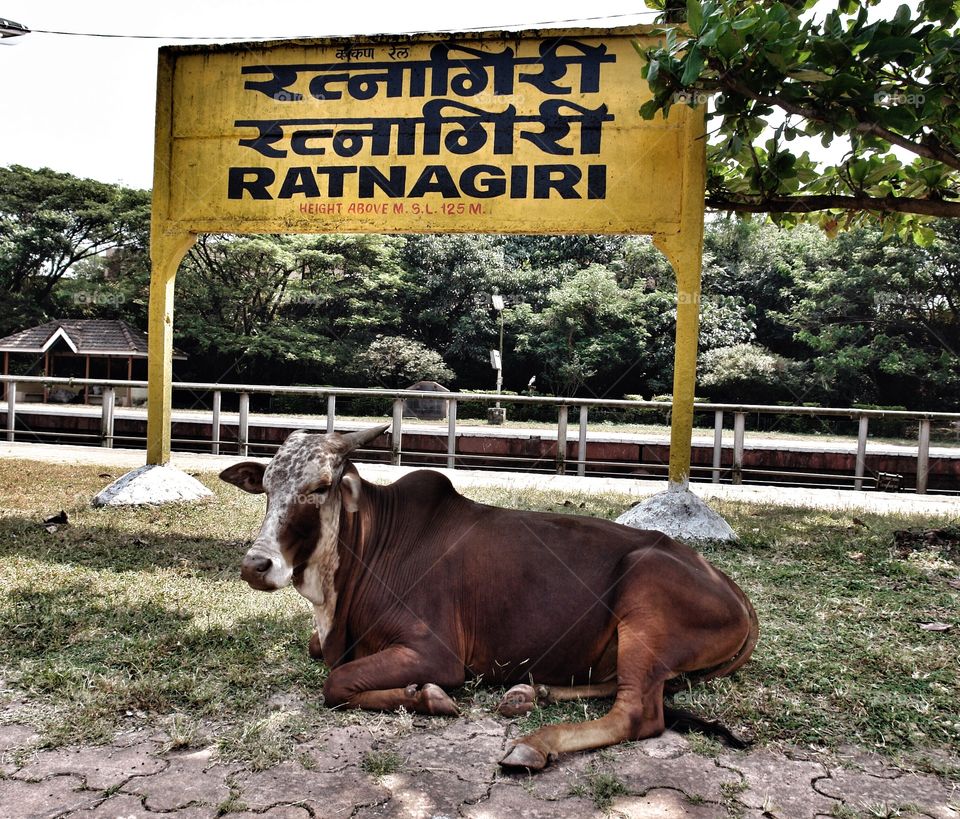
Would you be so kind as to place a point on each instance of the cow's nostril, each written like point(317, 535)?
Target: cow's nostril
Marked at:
point(256, 570)
point(260, 565)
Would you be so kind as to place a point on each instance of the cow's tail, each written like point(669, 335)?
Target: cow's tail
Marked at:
point(679, 719)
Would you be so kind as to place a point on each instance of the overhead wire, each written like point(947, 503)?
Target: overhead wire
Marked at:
point(504, 26)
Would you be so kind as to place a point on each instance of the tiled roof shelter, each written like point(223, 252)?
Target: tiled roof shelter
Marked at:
point(79, 346)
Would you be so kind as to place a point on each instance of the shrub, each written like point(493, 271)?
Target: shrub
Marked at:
point(397, 362)
point(746, 374)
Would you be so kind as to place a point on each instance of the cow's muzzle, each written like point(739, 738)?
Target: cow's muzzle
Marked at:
point(255, 569)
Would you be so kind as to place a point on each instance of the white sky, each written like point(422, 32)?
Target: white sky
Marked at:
point(86, 105)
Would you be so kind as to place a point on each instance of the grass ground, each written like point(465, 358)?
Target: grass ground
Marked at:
point(138, 616)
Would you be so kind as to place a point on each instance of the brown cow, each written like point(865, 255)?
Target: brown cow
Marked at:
point(415, 588)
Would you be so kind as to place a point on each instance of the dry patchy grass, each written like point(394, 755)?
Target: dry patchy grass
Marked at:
point(138, 616)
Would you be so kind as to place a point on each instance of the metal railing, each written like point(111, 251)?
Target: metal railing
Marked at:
point(736, 473)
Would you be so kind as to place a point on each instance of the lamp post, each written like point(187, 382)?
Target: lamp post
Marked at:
point(497, 415)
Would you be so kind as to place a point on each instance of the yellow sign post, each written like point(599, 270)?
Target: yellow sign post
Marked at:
point(520, 132)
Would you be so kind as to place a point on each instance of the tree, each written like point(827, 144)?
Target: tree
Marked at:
point(759, 264)
point(856, 319)
point(880, 320)
point(288, 307)
point(115, 285)
point(50, 222)
point(353, 281)
point(232, 292)
point(586, 334)
point(803, 68)
point(566, 253)
point(445, 296)
point(746, 374)
point(395, 361)
point(641, 264)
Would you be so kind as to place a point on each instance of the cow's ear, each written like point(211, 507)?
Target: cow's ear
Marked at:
point(247, 475)
point(350, 487)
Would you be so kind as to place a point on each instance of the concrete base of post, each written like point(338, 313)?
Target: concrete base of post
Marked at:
point(496, 415)
point(154, 485)
point(680, 514)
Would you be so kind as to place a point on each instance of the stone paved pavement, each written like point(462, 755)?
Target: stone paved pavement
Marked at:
point(448, 768)
point(811, 498)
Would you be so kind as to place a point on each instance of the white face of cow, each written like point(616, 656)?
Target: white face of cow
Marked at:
point(306, 485)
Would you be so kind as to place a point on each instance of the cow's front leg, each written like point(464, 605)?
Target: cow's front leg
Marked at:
point(422, 699)
point(393, 678)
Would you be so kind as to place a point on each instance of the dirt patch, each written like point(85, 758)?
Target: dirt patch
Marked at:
point(945, 541)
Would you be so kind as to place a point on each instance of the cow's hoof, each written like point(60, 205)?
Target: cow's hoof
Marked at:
point(524, 756)
point(433, 700)
point(518, 700)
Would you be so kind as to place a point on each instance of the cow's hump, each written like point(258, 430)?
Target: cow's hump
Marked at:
point(427, 483)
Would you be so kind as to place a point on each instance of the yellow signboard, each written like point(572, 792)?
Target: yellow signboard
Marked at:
point(521, 132)
point(487, 133)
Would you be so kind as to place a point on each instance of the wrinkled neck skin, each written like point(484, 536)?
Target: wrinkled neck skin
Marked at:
point(315, 581)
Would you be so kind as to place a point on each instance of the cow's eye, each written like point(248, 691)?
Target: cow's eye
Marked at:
point(320, 492)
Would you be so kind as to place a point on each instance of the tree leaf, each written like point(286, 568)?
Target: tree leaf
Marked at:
point(693, 65)
point(694, 16)
point(892, 47)
point(709, 37)
point(653, 69)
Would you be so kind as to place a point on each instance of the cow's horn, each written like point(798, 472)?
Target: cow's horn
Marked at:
point(354, 440)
